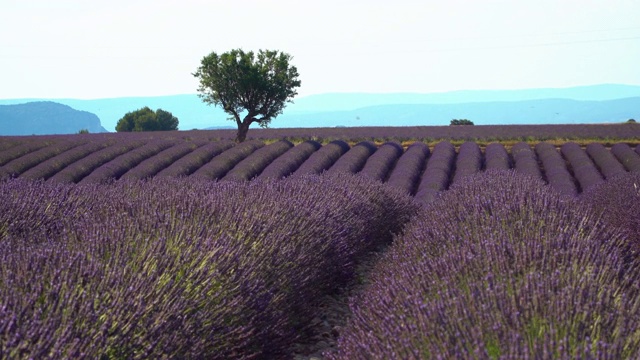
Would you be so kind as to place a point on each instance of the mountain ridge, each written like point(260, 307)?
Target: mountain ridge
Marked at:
point(340, 109)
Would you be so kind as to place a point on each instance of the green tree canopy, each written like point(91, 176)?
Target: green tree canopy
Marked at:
point(146, 119)
point(249, 87)
point(461, 122)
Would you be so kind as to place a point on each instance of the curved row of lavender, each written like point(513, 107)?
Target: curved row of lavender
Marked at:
point(436, 177)
point(497, 157)
point(127, 161)
point(468, 161)
point(200, 159)
point(286, 164)
point(501, 266)
point(71, 159)
point(626, 156)
point(181, 268)
point(605, 160)
point(379, 165)
point(525, 160)
point(152, 165)
point(252, 165)
point(529, 133)
point(17, 166)
point(582, 167)
point(555, 169)
point(409, 167)
point(354, 159)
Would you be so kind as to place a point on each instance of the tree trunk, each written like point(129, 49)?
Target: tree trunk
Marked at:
point(243, 129)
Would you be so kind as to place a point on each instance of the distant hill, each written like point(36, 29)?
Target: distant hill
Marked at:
point(46, 117)
point(582, 104)
point(546, 111)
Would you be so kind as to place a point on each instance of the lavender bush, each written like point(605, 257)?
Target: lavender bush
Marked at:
point(440, 168)
point(629, 159)
point(525, 160)
point(618, 200)
point(83, 167)
point(353, 160)
point(191, 162)
point(180, 268)
point(322, 159)
point(286, 164)
point(22, 149)
point(17, 166)
point(468, 161)
point(555, 169)
point(607, 163)
point(154, 164)
point(253, 164)
point(496, 157)
point(121, 164)
point(499, 266)
point(380, 163)
point(222, 163)
point(583, 168)
point(406, 174)
point(50, 167)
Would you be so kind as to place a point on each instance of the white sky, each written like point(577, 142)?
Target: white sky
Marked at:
point(97, 48)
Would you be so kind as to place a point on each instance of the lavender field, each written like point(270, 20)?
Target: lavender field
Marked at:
point(370, 246)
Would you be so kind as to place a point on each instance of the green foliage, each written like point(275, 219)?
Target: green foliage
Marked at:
point(461, 122)
point(83, 131)
point(146, 119)
point(255, 86)
point(631, 121)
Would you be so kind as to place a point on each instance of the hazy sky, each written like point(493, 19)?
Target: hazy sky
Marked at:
point(99, 48)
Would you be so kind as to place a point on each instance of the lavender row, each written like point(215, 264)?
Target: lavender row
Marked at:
point(180, 268)
point(123, 163)
point(540, 278)
point(353, 160)
point(193, 161)
point(17, 166)
point(583, 168)
point(322, 159)
point(468, 162)
point(406, 174)
point(496, 157)
point(21, 150)
point(253, 165)
point(608, 165)
point(463, 133)
point(379, 164)
point(555, 169)
point(438, 172)
point(629, 159)
point(221, 164)
point(290, 161)
point(151, 166)
point(618, 199)
point(48, 168)
point(525, 160)
point(76, 171)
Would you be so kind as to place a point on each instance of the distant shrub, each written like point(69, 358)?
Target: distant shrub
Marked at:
point(83, 131)
point(631, 121)
point(146, 119)
point(461, 122)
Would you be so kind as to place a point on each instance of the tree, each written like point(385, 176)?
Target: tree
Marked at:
point(146, 119)
point(461, 122)
point(250, 88)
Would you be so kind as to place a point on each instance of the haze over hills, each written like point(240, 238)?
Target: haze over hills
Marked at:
point(585, 104)
point(46, 117)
